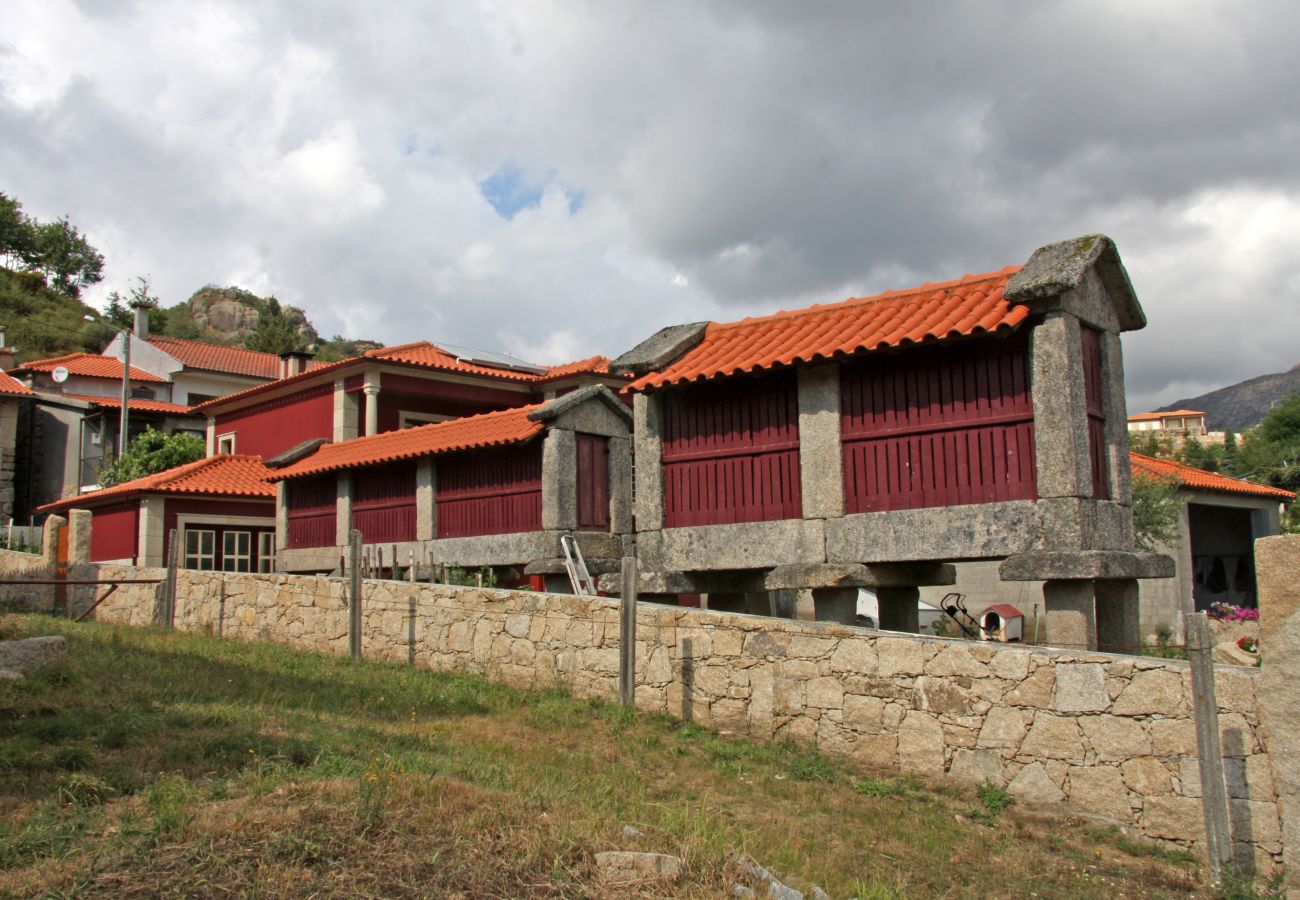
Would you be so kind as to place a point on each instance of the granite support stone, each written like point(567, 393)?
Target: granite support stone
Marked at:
point(281, 515)
point(1060, 408)
point(836, 605)
point(821, 461)
point(1277, 572)
point(343, 509)
point(426, 500)
point(620, 485)
point(1116, 607)
point(898, 609)
point(79, 524)
point(346, 413)
point(152, 538)
point(647, 415)
point(559, 480)
point(1070, 617)
point(1115, 406)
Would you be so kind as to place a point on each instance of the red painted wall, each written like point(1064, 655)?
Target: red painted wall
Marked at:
point(1093, 391)
point(490, 491)
point(731, 452)
point(938, 427)
point(593, 482)
point(313, 511)
point(115, 531)
point(407, 392)
point(383, 503)
point(276, 425)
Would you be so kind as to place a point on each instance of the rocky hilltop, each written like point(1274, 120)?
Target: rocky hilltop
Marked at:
point(1242, 405)
point(230, 314)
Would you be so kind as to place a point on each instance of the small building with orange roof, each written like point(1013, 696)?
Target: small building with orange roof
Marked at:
point(873, 442)
point(494, 490)
point(221, 508)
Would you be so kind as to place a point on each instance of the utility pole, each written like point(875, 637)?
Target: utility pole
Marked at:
point(126, 392)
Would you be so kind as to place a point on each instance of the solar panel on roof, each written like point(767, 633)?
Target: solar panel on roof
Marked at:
point(493, 359)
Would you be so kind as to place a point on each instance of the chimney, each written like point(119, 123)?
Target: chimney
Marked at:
point(141, 320)
point(6, 353)
point(294, 362)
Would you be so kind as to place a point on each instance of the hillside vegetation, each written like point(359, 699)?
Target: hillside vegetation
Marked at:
point(153, 764)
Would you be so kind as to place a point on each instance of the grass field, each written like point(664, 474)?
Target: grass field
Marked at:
point(153, 764)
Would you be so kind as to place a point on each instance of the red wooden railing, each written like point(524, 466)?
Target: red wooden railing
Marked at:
point(1094, 392)
point(938, 427)
point(383, 503)
point(731, 452)
point(313, 511)
point(115, 533)
point(490, 491)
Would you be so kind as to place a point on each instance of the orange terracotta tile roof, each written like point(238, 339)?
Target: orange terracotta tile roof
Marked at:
point(509, 426)
point(430, 356)
point(88, 365)
point(592, 365)
point(230, 475)
point(422, 355)
point(967, 306)
point(1175, 414)
point(154, 406)
point(1199, 479)
point(11, 385)
point(216, 358)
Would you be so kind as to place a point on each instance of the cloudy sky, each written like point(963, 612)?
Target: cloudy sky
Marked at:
point(561, 179)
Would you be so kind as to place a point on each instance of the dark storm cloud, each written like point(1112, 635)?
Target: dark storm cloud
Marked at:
point(732, 158)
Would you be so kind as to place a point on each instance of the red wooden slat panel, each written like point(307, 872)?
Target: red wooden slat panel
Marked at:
point(313, 511)
point(114, 532)
point(490, 491)
point(938, 427)
point(593, 482)
point(383, 502)
point(1093, 392)
point(731, 452)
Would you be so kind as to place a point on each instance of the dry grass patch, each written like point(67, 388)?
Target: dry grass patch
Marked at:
point(154, 764)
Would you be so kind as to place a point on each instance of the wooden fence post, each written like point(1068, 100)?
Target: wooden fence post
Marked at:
point(1214, 793)
point(354, 593)
point(627, 635)
point(169, 585)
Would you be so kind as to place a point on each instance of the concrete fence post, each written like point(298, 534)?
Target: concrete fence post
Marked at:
point(1277, 567)
point(627, 635)
point(1214, 792)
point(354, 594)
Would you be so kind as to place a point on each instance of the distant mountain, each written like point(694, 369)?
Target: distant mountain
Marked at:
point(1240, 406)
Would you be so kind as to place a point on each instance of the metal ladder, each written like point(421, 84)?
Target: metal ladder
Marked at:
point(576, 566)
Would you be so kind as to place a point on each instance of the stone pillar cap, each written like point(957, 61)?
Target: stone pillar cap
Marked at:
point(1085, 565)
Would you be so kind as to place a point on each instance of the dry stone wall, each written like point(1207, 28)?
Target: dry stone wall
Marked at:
point(1111, 736)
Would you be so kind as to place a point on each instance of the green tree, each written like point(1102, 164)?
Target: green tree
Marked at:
point(66, 258)
point(1271, 451)
point(1157, 509)
point(275, 333)
point(151, 452)
point(17, 233)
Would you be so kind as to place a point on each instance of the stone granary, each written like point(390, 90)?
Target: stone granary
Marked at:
point(496, 489)
point(873, 442)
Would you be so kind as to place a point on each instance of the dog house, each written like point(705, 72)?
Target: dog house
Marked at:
point(1002, 622)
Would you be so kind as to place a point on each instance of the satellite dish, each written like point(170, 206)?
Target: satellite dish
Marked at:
point(60, 374)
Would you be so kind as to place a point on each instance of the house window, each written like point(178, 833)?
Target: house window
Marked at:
point(266, 551)
point(226, 443)
point(195, 399)
point(200, 549)
point(237, 551)
point(413, 419)
point(143, 393)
